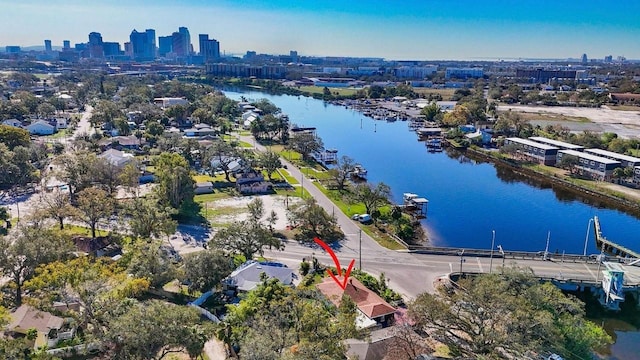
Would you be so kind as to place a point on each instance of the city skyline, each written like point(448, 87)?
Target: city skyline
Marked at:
point(415, 30)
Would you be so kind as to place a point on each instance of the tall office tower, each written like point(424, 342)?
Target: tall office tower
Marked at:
point(186, 39)
point(584, 58)
point(608, 58)
point(128, 49)
point(95, 45)
point(294, 56)
point(144, 44)
point(209, 48)
point(165, 45)
point(151, 38)
point(181, 44)
point(66, 44)
point(47, 46)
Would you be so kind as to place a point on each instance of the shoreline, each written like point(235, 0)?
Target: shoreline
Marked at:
point(596, 197)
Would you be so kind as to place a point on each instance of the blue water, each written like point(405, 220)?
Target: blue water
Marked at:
point(467, 200)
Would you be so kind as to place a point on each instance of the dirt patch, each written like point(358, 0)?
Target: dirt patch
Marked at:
point(235, 209)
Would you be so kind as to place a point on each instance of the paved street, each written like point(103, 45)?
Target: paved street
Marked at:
point(408, 273)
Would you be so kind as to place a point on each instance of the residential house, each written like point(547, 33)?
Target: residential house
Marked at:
point(60, 123)
point(98, 246)
point(116, 157)
point(165, 102)
point(203, 188)
point(252, 182)
point(625, 160)
point(234, 165)
point(559, 144)
point(249, 275)
point(595, 167)
point(534, 151)
point(200, 130)
point(248, 114)
point(13, 122)
point(50, 329)
point(122, 142)
point(386, 344)
point(372, 309)
point(41, 127)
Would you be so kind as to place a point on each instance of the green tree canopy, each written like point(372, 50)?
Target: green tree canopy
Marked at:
point(510, 315)
point(175, 185)
point(13, 136)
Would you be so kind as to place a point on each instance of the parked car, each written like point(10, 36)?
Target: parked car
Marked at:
point(365, 218)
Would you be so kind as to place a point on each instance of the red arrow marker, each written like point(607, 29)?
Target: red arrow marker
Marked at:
point(343, 283)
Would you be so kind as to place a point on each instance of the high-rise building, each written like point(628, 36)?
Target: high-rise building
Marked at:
point(111, 49)
point(95, 45)
point(47, 46)
point(584, 58)
point(66, 44)
point(144, 44)
point(181, 44)
point(209, 48)
point(608, 58)
point(294, 56)
point(165, 45)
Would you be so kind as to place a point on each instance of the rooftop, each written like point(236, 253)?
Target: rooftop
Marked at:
point(587, 156)
point(614, 155)
point(372, 305)
point(531, 143)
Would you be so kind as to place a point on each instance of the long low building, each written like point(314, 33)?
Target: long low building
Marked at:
point(541, 153)
point(625, 160)
point(636, 175)
point(559, 144)
point(596, 167)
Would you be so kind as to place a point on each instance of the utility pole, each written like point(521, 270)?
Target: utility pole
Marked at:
point(546, 249)
point(493, 240)
point(360, 251)
point(461, 260)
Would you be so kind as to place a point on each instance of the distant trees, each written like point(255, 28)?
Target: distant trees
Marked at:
point(148, 219)
point(270, 162)
point(431, 112)
point(341, 172)
point(246, 239)
point(205, 269)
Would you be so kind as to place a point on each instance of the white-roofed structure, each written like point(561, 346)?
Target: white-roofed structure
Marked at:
point(625, 160)
point(559, 144)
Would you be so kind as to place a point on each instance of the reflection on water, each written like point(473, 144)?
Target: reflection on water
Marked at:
point(468, 197)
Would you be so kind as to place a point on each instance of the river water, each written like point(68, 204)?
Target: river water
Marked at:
point(467, 199)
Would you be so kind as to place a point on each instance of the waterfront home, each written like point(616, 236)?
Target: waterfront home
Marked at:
point(595, 167)
point(249, 275)
point(200, 130)
point(534, 151)
point(559, 144)
point(372, 309)
point(326, 156)
point(625, 160)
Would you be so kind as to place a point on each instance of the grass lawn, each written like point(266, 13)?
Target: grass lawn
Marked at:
point(334, 91)
point(287, 176)
point(217, 195)
point(81, 230)
point(445, 93)
point(213, 179)
point(59, 135)
point(547, 116)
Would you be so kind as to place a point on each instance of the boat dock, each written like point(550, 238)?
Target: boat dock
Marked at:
point(415, 205)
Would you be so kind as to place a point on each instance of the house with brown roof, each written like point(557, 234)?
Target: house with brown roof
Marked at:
point(375, 310)
point(50, 329)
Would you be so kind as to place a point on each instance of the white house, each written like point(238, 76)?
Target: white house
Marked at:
point(116, 157)
point(247, 114)
point(13, 122)
point(41, 127)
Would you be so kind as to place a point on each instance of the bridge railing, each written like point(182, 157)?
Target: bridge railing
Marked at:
point(524, 255)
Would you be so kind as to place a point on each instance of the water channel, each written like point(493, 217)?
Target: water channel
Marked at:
point(467, 199)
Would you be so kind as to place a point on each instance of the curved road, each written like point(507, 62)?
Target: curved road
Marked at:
point(408, 273)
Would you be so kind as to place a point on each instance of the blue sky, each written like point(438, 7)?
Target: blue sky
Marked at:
point(393, 29)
